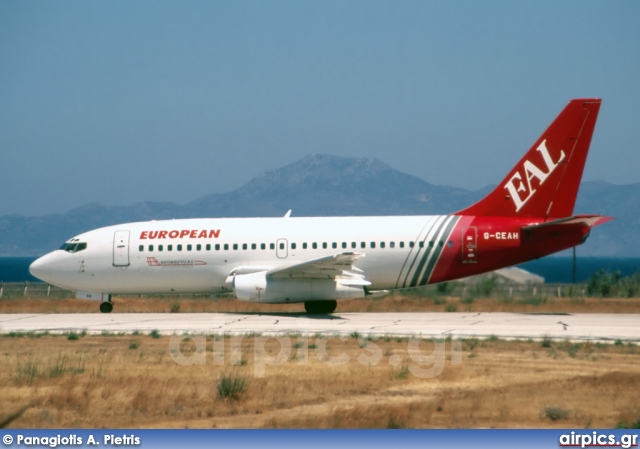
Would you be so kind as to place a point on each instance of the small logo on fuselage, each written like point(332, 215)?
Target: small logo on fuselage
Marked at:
point(187, 263)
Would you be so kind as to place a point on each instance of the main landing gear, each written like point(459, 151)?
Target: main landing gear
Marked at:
point(318, 307)
point(106, 306)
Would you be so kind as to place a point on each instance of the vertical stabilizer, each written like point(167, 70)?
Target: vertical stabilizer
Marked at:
point(544, 184)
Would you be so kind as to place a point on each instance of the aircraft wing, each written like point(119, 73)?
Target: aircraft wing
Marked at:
point(331, 267)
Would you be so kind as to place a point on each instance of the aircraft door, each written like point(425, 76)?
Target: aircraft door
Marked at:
point(282, 248)
point(470, 245)
point(121, 249)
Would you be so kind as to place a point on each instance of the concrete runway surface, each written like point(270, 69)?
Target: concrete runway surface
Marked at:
point(576, 327)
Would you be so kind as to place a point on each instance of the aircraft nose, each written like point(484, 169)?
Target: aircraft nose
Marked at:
point(40, 268)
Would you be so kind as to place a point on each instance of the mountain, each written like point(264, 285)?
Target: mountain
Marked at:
point(331, 185)
point(323, 185)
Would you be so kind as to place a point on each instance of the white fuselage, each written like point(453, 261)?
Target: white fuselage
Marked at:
point(198, 255)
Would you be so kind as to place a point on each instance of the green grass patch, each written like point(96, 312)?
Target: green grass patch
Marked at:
point(231, 386)
point(400, 372)
point(626, 425)
point(533, 300)
point(555, 413)
point(73, 336)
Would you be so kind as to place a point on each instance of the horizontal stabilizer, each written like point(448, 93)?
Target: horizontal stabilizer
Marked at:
point(588, 220)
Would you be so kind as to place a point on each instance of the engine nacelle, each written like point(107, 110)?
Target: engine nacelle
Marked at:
point(257, 287)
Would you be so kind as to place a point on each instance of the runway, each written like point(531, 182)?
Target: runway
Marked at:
point(575, 327)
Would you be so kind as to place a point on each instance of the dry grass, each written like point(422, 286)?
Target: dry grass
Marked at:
point(132, 381)
point(390, 303)
point(106, 381)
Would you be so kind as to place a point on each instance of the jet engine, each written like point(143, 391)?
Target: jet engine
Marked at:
point(257, 287)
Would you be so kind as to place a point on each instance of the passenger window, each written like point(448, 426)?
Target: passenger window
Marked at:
point(272, 246)
point(160, 247)
point(334, 245)
point(189, 247)
point(314, 245)
point(216, 247)
point(440, 243)
point(169, 247)
point(421, 244)
point(392, 244)
point(263, 246)
point(293, 246)
point(381, 244)
point(304, 245)
point(140, 248)
point(373, 244)
point(254, 246)
point(281, 245)
point(344, 245)
point(412, 244)
point(179, 247)
point(199, 247)
point(353, 245)
point(401, 244)
point(235, 246)
point(431, 244)
point(244, 246)
point(450, 244)
point(363, 245)
point(226, 247)
point(150, 247)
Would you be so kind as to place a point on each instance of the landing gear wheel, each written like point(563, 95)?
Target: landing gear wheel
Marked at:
point(106, 307)
point(317, 307)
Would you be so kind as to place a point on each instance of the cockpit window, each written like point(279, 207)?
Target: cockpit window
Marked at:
point(73, 247)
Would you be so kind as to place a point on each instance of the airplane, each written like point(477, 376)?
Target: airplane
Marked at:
point(319, 260)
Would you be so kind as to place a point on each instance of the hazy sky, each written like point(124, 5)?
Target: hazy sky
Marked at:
point(120, 101)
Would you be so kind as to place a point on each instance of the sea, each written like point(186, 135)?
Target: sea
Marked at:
point(552, 269)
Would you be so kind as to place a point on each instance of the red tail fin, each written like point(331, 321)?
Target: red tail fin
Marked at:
point(544, 184)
